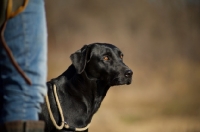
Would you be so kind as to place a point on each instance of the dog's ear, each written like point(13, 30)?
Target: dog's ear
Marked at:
point(80, 58)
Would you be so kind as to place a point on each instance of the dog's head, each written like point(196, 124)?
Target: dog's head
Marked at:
point(104, 62)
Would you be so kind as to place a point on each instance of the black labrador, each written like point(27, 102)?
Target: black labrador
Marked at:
point(82, 87)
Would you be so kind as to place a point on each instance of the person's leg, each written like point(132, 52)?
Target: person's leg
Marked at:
point(26, 36)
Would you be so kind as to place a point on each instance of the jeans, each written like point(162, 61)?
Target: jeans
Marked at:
point(26, 36)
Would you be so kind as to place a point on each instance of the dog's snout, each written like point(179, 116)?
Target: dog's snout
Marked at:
point(128, 73)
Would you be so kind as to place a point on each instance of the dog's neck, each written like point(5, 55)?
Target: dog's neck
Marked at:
point(88, 93)
point(83, 82)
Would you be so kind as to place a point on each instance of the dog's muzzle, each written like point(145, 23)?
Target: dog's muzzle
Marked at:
point(128, 75)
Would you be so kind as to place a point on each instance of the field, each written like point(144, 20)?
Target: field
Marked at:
point(161, 44)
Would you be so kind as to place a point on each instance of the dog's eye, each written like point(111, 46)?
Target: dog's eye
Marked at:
point(106, 58)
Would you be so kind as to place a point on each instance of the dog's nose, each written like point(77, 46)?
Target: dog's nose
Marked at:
point(128, 73)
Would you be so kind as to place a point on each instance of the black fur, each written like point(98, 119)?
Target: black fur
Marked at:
point(83, 86)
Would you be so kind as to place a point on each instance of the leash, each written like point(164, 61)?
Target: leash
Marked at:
point(63, 123)
point(11, 14)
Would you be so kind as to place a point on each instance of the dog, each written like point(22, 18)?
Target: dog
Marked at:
point(82, 87)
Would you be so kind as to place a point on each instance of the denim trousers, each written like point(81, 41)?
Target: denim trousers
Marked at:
point(26, 36)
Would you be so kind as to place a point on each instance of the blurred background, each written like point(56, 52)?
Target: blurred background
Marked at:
point(161, 43)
